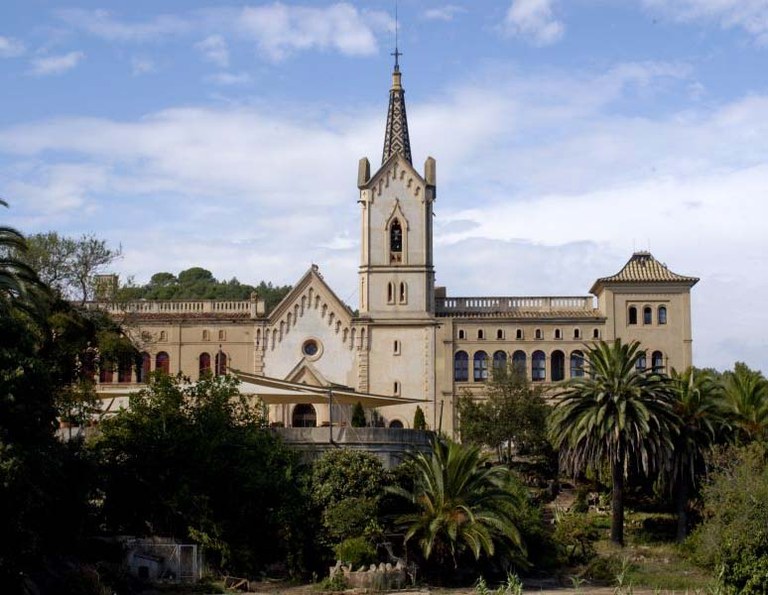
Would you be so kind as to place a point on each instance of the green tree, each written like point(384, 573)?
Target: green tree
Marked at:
point(461, 505)
point(346, 488)
point(195, 460)
point(419, 421)
point(69, 265)
point(513, 415)
point(732, 540)
point(617, 414)
point(697, 401)
point(746, 394)
point(358, 416)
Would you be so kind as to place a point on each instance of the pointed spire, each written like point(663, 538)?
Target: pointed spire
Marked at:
point(396, 139)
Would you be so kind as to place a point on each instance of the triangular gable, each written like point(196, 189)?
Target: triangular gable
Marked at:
point(397, 167)
point(311, 278)
point(305, 373)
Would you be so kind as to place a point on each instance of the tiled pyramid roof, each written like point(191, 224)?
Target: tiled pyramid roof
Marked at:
point(396, 138)
point(644, 268)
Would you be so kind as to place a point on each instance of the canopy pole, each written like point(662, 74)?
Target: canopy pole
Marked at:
point(330, 415)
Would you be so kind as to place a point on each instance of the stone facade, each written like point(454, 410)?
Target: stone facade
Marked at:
point(408, 338)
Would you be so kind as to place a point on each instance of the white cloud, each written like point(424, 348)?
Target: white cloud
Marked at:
point(229, 78)
point(103, 24)
point(281, 29)
point(444, 13)
point(10, 47)
point(749, 15)
point(277, 29)
point(48, 65)
point(142, 65)
point(534, 20)
point(215, 50)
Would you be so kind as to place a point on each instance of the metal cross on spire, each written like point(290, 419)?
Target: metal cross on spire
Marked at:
point(396, 139)
point(397, 53)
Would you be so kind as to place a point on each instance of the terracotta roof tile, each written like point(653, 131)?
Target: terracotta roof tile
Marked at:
point(644, 268)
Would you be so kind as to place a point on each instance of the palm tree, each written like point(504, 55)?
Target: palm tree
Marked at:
point(16, 278)
point(461, 503)
point(746, 393)
point(698, 405)
point(616, 413)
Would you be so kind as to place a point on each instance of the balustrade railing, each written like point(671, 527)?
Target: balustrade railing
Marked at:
point(479, 305)
point(172, 307)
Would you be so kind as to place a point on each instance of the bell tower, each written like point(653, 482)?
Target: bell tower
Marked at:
point(396, 273)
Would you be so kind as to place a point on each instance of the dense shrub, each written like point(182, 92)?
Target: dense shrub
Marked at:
point(575, 534)
point(733, 539)
point(356, 551)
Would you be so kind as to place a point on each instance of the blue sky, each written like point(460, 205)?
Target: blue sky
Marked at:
point(567, 134)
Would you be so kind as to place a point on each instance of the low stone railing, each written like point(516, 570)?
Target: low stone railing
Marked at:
point(448, 305)
point(251, 308)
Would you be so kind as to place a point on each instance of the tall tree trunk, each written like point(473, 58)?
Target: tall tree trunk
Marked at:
point(617, 498)
point(681, 498)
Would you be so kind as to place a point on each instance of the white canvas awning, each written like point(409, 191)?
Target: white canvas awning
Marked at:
point(273, 391)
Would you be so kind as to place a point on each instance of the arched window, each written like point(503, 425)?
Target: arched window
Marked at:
point(206, 335)
point(163, 336)
point(499, 360)
point(462, 334)
point(657, 362)
point(395, 237)
point(480, 333)
point(396, 389)
point(221, 363)
point(390, 293)
point(519, 362)
point(222, 335)
point(461, 366)
point(163, 363)
point(596, 333)
point(632, 319)
point(304, 416)
point(577, 364)
point(395, 242)
point(403, 293)
point(142, 373)
point(641, 363)
point(204, 367)
point(577, 333)
point(662, 315)
point(519, 334)
point(499, 334)
point(396, 424)
point(124, 371)
point(396, 347)
point(647, 315)
point(558, 333)
point(537, 333)
point(480, 366)
point(538, 366)
point(106, 372)
point(557, 363)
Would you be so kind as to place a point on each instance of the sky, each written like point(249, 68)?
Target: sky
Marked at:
point(567, 134)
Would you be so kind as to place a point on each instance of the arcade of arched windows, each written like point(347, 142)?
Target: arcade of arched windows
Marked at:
point(538, 365)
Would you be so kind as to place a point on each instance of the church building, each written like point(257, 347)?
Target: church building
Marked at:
point(409, 343)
